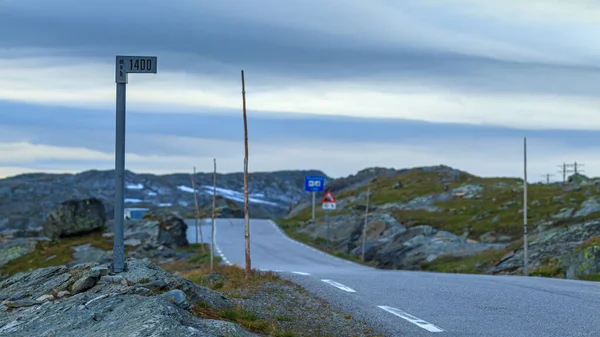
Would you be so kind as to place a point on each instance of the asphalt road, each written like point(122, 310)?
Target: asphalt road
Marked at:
point(403, 303)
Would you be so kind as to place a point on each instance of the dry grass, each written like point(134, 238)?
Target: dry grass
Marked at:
point(61, 249)
point(266, 288)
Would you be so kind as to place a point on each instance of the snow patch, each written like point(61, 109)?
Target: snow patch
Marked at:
point(135, 187)
point(132, 200)
point(166, 204)
point(236, 196)
point(186, 189)
point(152, 194)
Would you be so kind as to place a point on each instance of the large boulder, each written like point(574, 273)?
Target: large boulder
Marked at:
point(74, 217)
point(172, 232)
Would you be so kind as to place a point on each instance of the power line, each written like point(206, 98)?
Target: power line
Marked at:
point(576, 167)
point(547, 177)
point(564, 170)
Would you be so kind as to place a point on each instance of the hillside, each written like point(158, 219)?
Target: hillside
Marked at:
point(26, 199)
point(442, 219)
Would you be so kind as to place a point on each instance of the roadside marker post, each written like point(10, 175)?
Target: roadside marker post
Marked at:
point(328, 204)
point(124, 65)
point(314, 184)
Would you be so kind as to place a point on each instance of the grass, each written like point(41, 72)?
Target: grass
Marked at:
point(61, 249)
point(231, 281)
point(496, 208)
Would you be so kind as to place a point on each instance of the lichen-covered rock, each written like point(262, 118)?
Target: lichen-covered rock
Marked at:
point(75, 217)
point(99, 307)
point(15, 248)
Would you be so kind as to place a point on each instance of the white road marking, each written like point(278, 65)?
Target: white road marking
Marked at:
point(414, 320)
point(339, 286)
point(300, 273)
point(219, 250)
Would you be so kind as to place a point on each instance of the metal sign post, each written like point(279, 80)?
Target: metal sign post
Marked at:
point(123, 66)
point(314, 184)
point(328, 205)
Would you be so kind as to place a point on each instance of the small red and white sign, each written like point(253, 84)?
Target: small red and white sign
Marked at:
point(328, 201)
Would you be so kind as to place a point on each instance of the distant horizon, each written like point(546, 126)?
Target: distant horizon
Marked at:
point(278, 171)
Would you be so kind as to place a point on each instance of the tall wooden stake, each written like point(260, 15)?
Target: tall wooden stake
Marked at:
point(214, 203)
point(246, 216)
point(525, 258)
point(365, 226)
point(193, 178)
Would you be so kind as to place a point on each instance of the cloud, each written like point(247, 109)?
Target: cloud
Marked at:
point(325, 79)
point(161, 143)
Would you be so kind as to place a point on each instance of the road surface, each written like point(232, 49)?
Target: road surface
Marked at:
point(404, 303)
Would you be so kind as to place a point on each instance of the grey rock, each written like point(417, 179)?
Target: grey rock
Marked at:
point(117, 279)
point(63, 293)
point(172, 232)
point(588, 207)
point(564, 213)
point(132, 242)
point(21, 303)
point(15, 248)
point(86, 253)
point(102, 270)
point(18, 295)
point(83, 284)
point(178, 297)
point(44, 298)
point(109, 309)
point(468, 191)
point(75, 217)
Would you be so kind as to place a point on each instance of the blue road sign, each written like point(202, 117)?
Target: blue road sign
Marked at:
point(314, 184)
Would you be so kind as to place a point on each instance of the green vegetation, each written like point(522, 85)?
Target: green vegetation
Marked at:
point(56, 252)
point(496, 208)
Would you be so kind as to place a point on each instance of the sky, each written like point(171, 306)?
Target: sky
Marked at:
point(332, 85)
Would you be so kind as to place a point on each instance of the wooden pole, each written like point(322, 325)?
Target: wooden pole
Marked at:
point(193, 178)
point(365, 226)
point(525, 248)
point(214, 203)
point(246, 216)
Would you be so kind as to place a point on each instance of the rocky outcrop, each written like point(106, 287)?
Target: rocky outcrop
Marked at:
point(172, 232)
point(390, 244)
point(559, 247)
point(74, 217)
point(84, 300)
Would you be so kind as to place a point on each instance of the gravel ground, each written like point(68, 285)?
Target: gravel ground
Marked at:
point(293, 309)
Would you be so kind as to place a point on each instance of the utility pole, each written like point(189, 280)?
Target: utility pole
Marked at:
point(246, 217)
point(547, 177)
point(525, 258)
point(365, 226)
point(214, 203)
point(193, 178)
point(576, 167)
point(564, 171)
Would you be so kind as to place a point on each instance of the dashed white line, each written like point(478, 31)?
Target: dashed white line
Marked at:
point(219, 250)
point(300, 273)
point(414, 320)
point(339, 286)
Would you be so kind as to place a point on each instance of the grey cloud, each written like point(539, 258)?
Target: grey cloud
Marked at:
point(196, 36)
point(204, 134)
